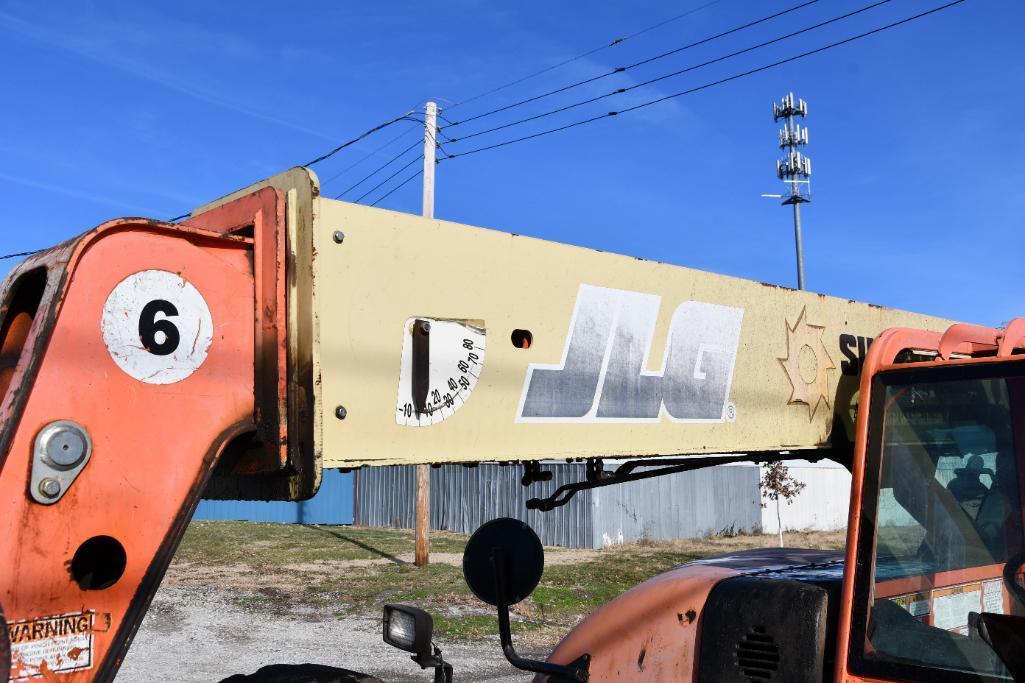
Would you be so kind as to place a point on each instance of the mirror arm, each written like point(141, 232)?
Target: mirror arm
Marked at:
point(577, 671)
point(443, 672)
point(662, 466)
point(442, 669)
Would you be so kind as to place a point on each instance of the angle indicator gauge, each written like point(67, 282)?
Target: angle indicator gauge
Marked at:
point(441, 363)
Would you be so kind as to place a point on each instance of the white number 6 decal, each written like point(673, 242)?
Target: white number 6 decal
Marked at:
point(157, 327)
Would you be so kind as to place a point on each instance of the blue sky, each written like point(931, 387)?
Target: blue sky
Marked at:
point(917, 136)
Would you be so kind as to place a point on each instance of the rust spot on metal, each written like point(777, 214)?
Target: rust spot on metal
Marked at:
point(775, 286)
point(47, 675)
point(102, 622)
point(687, 617)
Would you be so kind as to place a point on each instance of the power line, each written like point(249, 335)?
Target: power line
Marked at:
point(679, 72)
point(339, 148)
point(376, 187)
point(367, 156)
point(36, 251)
point(22, 253)
point(379, 169)
point(616, 41)
point(392, 160)
point(649, 60)
point(404, 182)
point(712, 83)
point(405, 117)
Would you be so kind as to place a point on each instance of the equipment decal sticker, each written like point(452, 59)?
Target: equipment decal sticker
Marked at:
point(603, 375)
point(57, 644)
point(951, 606)
point(157, 327)
point(915, 603)
point(993, 597)
point(809, 391)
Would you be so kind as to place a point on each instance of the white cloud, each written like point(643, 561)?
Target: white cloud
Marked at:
point(80, 194)
point(110, 44)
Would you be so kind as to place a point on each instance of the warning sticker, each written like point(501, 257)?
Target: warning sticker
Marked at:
point(915, 603)
point(952, 605)
point(57, 644)
point(993, 597)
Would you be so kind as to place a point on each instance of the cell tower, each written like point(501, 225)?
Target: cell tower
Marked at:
point(794, 168)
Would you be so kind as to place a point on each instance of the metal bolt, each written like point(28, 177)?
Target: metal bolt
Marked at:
point(65, 447)
point(425, 326)
point(341, 412)
point(64, 444)
point(50, 487)
point(338, 236)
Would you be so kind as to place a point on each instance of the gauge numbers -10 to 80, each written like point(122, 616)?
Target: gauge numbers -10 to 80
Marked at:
point(441, 363)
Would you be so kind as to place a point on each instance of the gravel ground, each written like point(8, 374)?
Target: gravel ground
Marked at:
point(196, 635)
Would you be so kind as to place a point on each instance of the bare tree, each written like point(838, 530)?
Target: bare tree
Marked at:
point(777, 483)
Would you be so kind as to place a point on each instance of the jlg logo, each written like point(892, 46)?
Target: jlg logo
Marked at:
point(602, 376)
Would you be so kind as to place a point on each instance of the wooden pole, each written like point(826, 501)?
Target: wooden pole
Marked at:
point(423, 472)
point(423, 506)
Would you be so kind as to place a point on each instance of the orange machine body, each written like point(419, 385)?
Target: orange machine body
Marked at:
point(650, 633)
point(654, 632)
point(153, 444)
point(80, 572)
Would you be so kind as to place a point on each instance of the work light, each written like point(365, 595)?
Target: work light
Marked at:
point(408, 628)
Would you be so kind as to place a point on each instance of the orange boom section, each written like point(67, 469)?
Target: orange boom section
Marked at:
point(132, 358)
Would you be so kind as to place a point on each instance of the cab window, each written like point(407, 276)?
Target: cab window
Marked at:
point(948, 519)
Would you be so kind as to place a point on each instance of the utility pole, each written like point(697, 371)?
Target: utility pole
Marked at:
point(430, 152)
point(423, 472)
point(795, 168)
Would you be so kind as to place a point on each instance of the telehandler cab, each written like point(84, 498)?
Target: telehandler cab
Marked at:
point(272, 333)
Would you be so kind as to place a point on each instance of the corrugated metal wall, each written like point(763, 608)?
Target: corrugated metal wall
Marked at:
point(683, 505)
point(331, 505)
point(463, 498)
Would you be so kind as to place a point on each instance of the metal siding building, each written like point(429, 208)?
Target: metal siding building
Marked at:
point(463, 498)
point(331, 505)
point(682, 505)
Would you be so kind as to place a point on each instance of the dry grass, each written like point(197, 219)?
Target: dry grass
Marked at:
point(344, 570)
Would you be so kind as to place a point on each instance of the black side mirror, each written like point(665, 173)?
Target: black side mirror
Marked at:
point(503, 563)
point(411, 629)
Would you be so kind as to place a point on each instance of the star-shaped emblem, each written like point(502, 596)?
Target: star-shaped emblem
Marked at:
point(799, 336)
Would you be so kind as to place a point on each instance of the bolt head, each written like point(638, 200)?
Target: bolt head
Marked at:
point(338, 236)
point(65, 447)
point(50, 487)
point(425, 326)
point(341, 412)
point(63, 444)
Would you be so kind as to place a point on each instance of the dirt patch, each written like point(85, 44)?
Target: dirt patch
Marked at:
point(185, 573)
point(214, 636)
point(302, 573)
